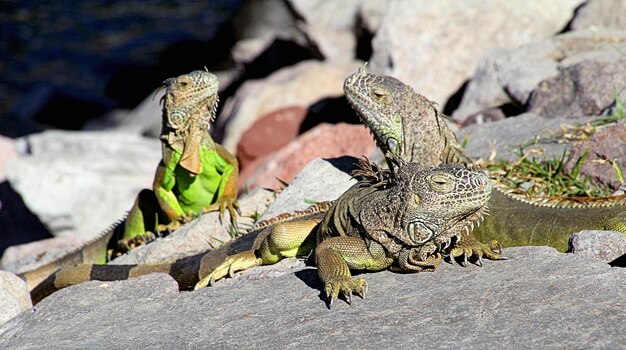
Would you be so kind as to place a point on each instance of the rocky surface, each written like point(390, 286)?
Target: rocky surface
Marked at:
point(538, 298)
point(509, 77)
point(426, 44)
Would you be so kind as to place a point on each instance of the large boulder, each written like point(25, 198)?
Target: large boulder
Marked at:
point(79, 183)
point(510, 77)
point(434, 46)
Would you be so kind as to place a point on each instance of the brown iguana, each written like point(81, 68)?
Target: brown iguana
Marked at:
point(196, 175)
point(409, 125)
point(403, 219)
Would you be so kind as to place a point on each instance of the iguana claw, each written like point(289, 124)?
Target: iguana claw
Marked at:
point(344, 285)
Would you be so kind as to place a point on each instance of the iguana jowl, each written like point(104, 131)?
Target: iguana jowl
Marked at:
point(402, 219)
point(195, 174)
point(408, 124)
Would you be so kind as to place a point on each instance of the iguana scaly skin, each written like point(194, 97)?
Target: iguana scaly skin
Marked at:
point(195, 175)
point(402, 219)
point(409, 125)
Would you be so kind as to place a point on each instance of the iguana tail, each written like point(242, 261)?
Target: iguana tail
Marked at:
point(185, 271)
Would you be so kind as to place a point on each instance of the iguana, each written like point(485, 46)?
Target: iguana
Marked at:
point(195, 175)
point(403, 219)
point(409, 125)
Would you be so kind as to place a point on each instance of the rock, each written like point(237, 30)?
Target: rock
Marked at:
point(268, 134)
point(329, 25)
point(324, 141)
point(605, 146)
point(14, 297)
point(26, 257)
point(508, 77)
point(268, 19)
point(538, 299)
point(67, 177)
point(586, 88)
point(426, 43)
point(302, 85)
point(504, 137)
point(600, 13)
point(603, 246)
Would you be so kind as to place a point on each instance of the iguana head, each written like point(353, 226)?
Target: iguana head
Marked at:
point(439, 202)
point(382, 102)
point(189, 107)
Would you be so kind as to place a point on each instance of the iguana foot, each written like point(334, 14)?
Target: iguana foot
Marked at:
point(418, 260)
point(470, 249)
point(345, 285)
point(128, 244)
point(222, 205)
point(232, 264)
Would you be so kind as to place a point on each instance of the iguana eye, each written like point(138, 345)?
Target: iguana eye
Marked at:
point(379, 93)
point(440, 183)
point(392, 145)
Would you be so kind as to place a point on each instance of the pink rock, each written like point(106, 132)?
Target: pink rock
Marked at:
point(271, 132)
point(325, 141)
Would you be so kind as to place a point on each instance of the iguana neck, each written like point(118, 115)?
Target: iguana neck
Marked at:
point(190, 104)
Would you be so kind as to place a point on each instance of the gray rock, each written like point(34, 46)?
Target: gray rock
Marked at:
point(586, 88)
point(434, 46)
point(29, 256)
point(14, 297)
point(510, 76)
point(268, 19)
point(329, 25)
point(505, 136)
point(603, 246)
point(79, 183)
point(600, 13)
point(538, 299)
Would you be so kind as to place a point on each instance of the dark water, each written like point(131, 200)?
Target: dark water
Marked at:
point(62, 62)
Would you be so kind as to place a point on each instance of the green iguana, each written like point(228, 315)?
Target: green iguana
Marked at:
point(409, 125)
point(196, 175)
point(403, 219)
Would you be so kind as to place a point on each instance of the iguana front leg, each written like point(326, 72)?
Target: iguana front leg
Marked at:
point(228, 193)
point(335, 256)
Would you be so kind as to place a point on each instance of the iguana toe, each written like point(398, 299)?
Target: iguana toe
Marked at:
point(344, 286)
point(232, 264)
point(474, 251)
